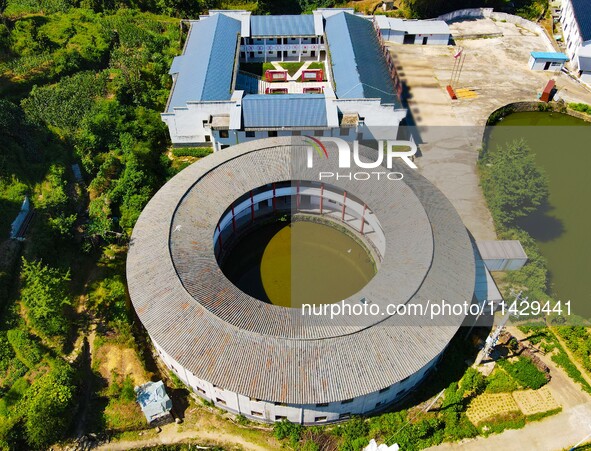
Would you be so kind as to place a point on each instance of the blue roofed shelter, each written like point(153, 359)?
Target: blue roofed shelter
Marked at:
point(19, 225)
point(547, 61)
point(154, 402)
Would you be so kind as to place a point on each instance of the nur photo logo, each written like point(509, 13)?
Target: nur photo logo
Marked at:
point(386, 152)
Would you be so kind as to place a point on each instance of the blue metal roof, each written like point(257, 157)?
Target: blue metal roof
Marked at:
point(282, 25)
point(358, 64)
point(205, 69)
point(582, 10)
point(284, 110)
point(153, 400)
point(553, 56)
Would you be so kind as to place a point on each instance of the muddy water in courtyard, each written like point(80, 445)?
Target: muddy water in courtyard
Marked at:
point(299, 263)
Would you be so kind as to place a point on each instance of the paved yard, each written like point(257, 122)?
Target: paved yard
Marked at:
point(451, 131)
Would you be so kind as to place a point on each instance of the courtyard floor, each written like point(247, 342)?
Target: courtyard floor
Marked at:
point(450, 131)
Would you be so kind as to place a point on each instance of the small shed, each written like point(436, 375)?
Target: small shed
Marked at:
point(507, 255)
point(388, 5)
point(421, 32)
point(19, 225)
point(154, 402)
point(547, 61)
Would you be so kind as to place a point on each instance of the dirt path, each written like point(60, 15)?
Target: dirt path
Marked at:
point(170, 435)
point(87, 389)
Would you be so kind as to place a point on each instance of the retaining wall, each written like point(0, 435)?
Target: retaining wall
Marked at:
point(488, 13)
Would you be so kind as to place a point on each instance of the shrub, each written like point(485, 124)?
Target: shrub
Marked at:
point(513, 420)
point(25, 349)
point(500, 382)
point(473, 382)
point(562, 360)
point(49, 406)
point(17, 391)
point(64, 104)
point(127, 390)
point(241, 420)
point(108, 298)
point(196, 152)
point(45, 293)
point(541, 415)
point(285, 429)
point(524, 372)
point(581, 107)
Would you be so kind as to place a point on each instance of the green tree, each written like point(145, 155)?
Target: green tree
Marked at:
point(516, 186)
point(108, 298)
point(49, 406)
point(25, 349)
point(45, 294)
point(473, 382)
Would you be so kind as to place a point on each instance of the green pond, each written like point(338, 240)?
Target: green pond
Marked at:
point(298, 263)
point(562, 148)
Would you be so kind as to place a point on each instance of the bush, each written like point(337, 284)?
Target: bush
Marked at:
point(108, 298)
point(49, 406)
point(127, 390)
point(541, 415)
point(17, 391)
point(513, 420)
point(64, 104)
point(354, 433)
point(241, 420)
point(562, 360)
point(500, 382)
point(524, 372)
point(196, 152)
point(285, 429)
point(45, 294)
point(25, 349)
point(581, 107)
point(473, 382)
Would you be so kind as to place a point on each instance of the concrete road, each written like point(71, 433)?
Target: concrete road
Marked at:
point(451, 131)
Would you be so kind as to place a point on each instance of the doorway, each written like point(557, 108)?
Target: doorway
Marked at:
point(409, 39)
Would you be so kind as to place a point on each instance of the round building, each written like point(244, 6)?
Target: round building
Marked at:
point(264, 345)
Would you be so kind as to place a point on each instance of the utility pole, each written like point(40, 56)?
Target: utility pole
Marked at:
point(459, 58)
point(491, 340)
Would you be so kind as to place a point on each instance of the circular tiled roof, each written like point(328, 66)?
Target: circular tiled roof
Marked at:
point(273, 353)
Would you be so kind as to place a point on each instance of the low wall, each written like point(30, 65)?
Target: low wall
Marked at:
point(523, 107)
point(488, 13)
point(520, 107)
point(469, 13)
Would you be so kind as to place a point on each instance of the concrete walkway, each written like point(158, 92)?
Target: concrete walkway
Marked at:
point(555, 433)
point(298, 74)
